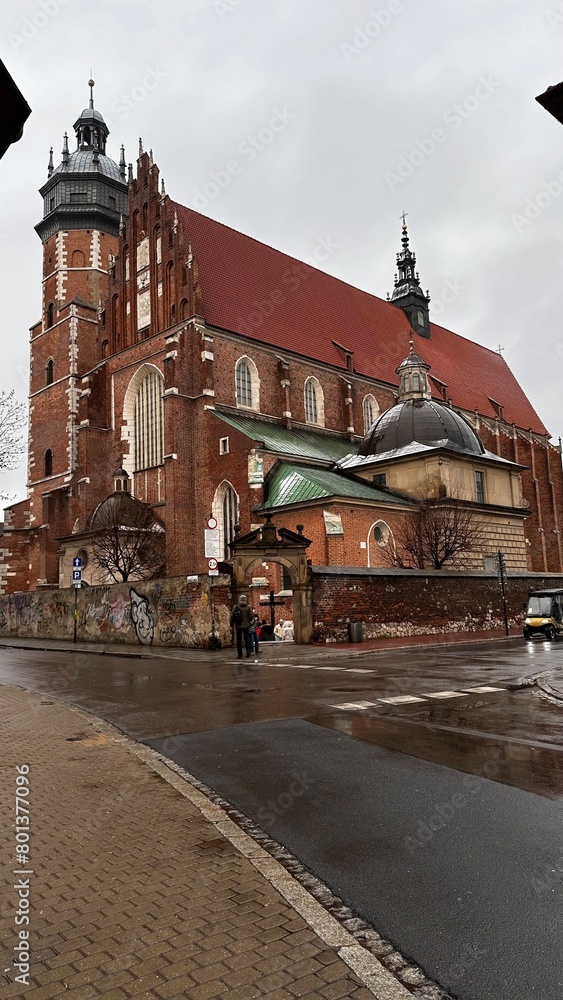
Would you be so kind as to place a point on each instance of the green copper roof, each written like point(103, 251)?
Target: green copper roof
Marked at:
point(297, 442)
point(288, 484)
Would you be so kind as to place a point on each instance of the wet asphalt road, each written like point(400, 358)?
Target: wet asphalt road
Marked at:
point(478, 901)
point(462, 899)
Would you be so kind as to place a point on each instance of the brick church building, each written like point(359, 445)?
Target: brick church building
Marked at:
point(209, 374)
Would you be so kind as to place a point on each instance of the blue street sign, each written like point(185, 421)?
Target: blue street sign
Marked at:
point(77, 562)
point(77, 574)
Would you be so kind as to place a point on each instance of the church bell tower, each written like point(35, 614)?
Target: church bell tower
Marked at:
point(407, 293)
point(84, 198)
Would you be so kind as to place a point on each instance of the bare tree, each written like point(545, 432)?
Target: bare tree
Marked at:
point(12, 443)
point(441, 530)
point(127, 538)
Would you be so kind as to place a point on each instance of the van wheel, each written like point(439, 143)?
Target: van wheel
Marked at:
point(527, 633)
point(550, 633)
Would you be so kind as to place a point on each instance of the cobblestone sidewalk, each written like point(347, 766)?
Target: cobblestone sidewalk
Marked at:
point(133, 893)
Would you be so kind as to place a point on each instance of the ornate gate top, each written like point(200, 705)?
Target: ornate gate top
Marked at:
point(269, 536)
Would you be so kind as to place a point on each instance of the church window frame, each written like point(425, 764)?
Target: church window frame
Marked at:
point(48, 462)
point(480, 493)
point(50, 315)
point(247, 384)
point(313, 398)
point(50, 372)
point(416, 382)
point(370, 411)
point(143, 420)
point(225, 509)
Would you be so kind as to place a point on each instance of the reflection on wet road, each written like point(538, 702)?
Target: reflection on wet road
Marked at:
point(148, 698)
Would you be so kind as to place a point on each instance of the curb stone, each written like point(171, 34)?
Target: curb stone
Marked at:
point(382, 969)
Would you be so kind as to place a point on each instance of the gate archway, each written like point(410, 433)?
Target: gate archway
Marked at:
point(288, 548)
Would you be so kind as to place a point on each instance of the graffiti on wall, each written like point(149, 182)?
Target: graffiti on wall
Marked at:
point(3, 614)
point(109, 613)
point(142, 619)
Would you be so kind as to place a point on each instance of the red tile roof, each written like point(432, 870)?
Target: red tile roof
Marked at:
point(242, 280)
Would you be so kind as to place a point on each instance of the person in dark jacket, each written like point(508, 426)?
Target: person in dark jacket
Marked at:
point(253, 632)
point(241, 617)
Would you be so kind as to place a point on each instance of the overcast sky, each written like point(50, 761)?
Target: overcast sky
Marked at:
point(378, 107)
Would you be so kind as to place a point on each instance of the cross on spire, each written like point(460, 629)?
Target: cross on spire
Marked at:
point(403, 217)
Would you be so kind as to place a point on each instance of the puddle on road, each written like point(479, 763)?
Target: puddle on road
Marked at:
point(517, 741)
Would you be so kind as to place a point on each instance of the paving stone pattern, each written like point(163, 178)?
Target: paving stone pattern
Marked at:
point(133, 893)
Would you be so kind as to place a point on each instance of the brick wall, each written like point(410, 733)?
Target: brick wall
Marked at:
point(397, 603)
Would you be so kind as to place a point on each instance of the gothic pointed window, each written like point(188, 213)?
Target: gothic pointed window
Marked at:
point(50, 372)
point(314, 402)
point(247, 384)
point(50, 314)
point(148, 421)
point(225, 510)
point(371, 411)
point(48, 462)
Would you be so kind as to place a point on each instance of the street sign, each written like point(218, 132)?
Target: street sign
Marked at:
point(212, 563)
point(77, 562)
point(212, 543)
point(211, 522)
point(76, 575)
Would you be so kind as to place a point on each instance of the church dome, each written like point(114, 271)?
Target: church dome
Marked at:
point(424, 422)
point(85, 161)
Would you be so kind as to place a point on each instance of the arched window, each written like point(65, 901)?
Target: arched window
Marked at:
point(48, 462)
point(225, 510)
point(380, 536)
point(50, 372)
point(170, 296)
point(407, 383)
point(105, 348)
point(314, 402)
point(115, 317)
point(416, 382)
point(184, 309)
point(371, 411)
point(148, 421)
point(50, 314)
point(77, 258)
point(247, 384)
point(145, 217)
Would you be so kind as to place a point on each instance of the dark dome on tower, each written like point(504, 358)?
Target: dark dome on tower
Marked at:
point(417, 419)
point(424, 422)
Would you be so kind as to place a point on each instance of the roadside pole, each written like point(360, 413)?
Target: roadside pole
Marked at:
point(212, 554)
point(501, 573)
point(76, 583)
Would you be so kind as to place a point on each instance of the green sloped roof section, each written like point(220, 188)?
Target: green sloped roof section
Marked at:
point(289, 484)
point(297, 442)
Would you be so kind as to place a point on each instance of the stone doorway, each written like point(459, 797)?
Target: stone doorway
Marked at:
point(278, 545)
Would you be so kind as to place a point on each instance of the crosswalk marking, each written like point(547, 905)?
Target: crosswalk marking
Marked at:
point(444, 694)
point(356, 705)
point(401, 699)
point(484, 689)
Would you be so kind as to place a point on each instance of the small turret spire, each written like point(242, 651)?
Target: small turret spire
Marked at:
point(122, 164)
point(162, 187)
point(140, 146)
point(130, 173)
point(65, 153)
point(91, 102)
point(51, 166)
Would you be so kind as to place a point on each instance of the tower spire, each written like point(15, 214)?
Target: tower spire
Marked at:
point(407, 292)
point(51, 166)
point(91, 102)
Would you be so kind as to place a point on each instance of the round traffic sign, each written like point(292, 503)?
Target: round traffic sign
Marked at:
point(211, 522)
point(212, 563)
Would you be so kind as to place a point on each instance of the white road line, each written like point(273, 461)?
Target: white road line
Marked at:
point(401, 699)
point(484, 689)
point(444, 694)
point(355, 705)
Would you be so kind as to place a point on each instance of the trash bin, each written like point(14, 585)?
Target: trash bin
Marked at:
point(355, 631)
